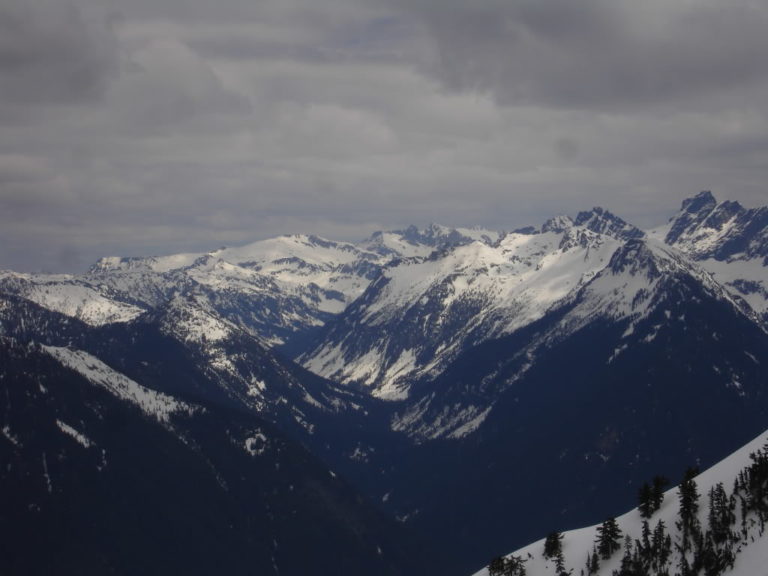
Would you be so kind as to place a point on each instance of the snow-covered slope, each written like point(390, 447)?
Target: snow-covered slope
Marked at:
point(155, 404)
point(243, 368)
point(749, 544)
point(185, 347)
point(71, 296)
point(642, 278)
point(420, 313)
point(414, 242)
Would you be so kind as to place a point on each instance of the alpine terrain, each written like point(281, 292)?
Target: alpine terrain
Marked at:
point(417, 402)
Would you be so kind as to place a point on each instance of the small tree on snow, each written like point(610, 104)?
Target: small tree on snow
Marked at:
point(553, 545)
point(496, 567)
point(608, 538)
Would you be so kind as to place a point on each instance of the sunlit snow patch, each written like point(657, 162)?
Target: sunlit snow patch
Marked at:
point(81, 438)
point(256, 445)
point(155, 404)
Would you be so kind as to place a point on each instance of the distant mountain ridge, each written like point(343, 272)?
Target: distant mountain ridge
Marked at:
point(286, 288)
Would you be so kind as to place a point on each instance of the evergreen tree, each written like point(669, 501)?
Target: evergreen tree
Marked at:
point(629, 562)
point(560, 566)
point(685, 567)
point(661, 544)
point(651, 496)
point(496, 567)
point(645, 500)
point(645, 547)
point(756, 483)
point(721, 516)
point(553, 545)
point(659, 485)
point(608, 538)
point(593, 562)
point(553, 550)
point(688, 495)
point(514, 566)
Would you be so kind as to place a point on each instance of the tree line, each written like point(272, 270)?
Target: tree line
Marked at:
point(697, 548)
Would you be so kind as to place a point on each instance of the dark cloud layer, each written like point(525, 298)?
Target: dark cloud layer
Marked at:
point(51, 53)
point(149, 126)
point(596, 53)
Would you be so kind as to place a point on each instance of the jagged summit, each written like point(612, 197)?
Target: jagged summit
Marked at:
point(728, 240)
point(557, 224)
point(433, 234)
point(705, 228)
point(703, 201)
point(604, 222)
point(692, 213)
point(641, 276)
point(597, 220)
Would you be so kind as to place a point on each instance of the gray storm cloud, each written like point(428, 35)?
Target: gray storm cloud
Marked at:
point(596, 53)
point(51, 53)
point(136, 127)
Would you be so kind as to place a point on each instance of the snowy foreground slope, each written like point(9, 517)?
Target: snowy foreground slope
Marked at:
point(749, 545)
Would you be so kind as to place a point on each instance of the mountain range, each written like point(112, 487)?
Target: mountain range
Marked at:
point(423, 398)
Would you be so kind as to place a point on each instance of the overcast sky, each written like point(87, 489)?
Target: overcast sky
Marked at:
point(136, 127)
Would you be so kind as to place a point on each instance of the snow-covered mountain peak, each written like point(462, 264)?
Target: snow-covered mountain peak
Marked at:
point(604, 222)
point(726, 231)
point(641, 276)
point(625, 286)
point(729, 241)
point(415, 242)
point(637, 258)
point(395, 245)
point(692, 213)
point(707, 228)
point(433, 235)
point(158, 264)
point(702, 202)
point(310, 249)
point(557, 224)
